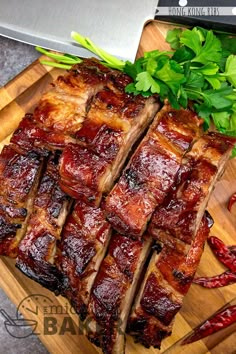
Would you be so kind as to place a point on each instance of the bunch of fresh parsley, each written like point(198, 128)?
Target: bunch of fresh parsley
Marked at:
point(200, 70)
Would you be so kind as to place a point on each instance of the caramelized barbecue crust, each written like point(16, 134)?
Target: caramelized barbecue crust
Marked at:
point(113, 291)
point(89, 117)
point(30, 136)
point(151, 171)
point(64, 107)
point(113, 123)
point(19, 180)
point(167, 280)
point(181, 228)
point(84, 241)
point(37, 249)
point(176, 221)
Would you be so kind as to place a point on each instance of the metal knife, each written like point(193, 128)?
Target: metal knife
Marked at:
point(115, 26)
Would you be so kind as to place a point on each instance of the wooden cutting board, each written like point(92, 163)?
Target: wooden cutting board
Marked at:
point(57, 325)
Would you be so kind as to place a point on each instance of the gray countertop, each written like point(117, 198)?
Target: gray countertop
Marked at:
point(14, 57)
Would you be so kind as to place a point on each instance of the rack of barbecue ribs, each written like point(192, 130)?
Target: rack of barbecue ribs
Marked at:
point(84, 229)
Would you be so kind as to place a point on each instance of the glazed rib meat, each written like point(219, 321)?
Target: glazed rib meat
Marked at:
point(176, 221)
point(75, 144)
point(113, 124)
point(151, 171)
point(62, 110)
point(83, 245)
point(181, 229)
point(113, 292)
point(65, 106)
point(167, 280)
point(19, 180)
point(36, 255)
point(31, 136)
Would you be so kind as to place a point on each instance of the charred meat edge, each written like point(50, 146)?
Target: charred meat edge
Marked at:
point(152, 315)
point(151, 170)
point(218, 149)
point(9, 245)
point(111, 335)
point(84, 241)
point(113, 124)
point(36, 256)
point(212, 151)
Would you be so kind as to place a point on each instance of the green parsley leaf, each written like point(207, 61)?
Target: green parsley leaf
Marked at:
point(192, 40)
point(173, 100)
point(211, 51)
point(151, 66)
point(214, 81)
point(221, 121)
point(204, 111)
point(156, 54)
point(218, 98)
point(145, 82)
point(230, 69)
point(172, 74)
point(228, 43)
point(195, 80)
point(207, 69)
point(133, 69)
point(182, 97)
point(183, 54)
point(130, 88)
point(173, 37)
point(232, 125)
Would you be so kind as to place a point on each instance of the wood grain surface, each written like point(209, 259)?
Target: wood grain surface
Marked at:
point(57, 325)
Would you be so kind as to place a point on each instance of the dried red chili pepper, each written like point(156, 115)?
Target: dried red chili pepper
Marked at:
point(232, 249)
point(223, 253)
point(218, 281)
point(231, 202)
point(220, 320)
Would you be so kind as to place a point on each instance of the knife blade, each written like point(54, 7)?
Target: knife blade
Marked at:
point(115, 26)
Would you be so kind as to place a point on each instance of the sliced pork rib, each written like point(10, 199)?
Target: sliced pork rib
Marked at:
point(151, 170)
point(65, 106)
point(182, 230)
point(113, 124)
point(30, 136)
point(176, 221)
point(113, 292)
point(62, 110)
point(36, 255)
point(167, 280)
point(19, 176)
point(83, 245)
